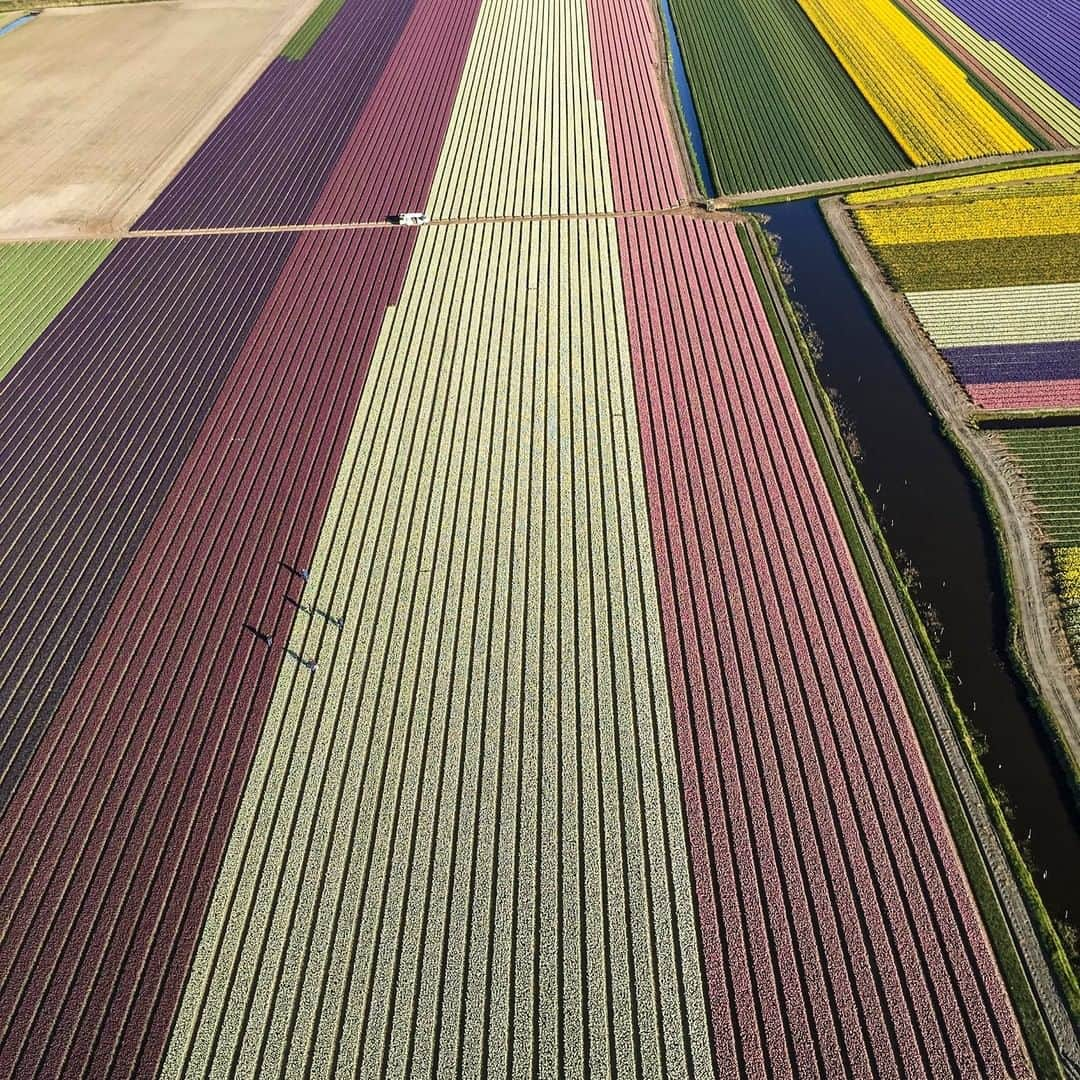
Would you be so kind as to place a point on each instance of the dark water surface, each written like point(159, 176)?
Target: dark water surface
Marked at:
point(930, 510)
point(686, 101)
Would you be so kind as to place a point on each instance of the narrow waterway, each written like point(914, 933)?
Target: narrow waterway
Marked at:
point(930, 510)
point(22, 20)
point(685, 101)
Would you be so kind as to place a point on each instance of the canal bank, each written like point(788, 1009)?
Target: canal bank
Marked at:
point(932, 515)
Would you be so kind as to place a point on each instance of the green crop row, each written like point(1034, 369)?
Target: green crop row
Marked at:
point(36, 281)
point(1049, 460)
point(775, 107)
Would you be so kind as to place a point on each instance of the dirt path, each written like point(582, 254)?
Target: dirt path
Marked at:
point(682, 210)
point(1039, 633)
point(1025, 937)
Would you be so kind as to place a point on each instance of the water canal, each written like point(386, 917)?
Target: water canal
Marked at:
point(932, 512)
point(685, 102)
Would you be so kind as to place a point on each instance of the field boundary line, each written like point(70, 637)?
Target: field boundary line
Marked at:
point(692, 209)
point(970, 167)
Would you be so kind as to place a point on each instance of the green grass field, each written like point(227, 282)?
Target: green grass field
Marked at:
point(775, 106)
point(36, 281)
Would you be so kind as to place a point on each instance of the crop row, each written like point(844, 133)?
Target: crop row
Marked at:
point(36, 281)
point(1044, 375)
point(1000, 316)
point(1053, 107)
point(924, 98)
point(1048, 459)
point(840, 937)
point(1045, 36)
point(526, 135)
point(774, 105)
point(482, 854)
point(268, 161)
point(970, 264)
point(1067, 581)
point(1049, 462)
point(1001, 182)
point(95, 422)
point(1015, 212)
point(301, 43)
point(124, 811)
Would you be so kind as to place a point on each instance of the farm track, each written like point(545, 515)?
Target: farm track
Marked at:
point(823, 188)
point(1010, 898)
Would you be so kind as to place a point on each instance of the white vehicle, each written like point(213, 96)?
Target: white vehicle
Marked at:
point(411, 217)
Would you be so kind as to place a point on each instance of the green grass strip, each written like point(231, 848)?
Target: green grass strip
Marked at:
point(36, 281)
point(1037, 1037)
point(299, 45)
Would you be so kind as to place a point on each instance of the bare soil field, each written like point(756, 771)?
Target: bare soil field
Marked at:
point(103, 104)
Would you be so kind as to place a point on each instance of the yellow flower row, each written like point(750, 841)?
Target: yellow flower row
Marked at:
point(1041, 175)
point(1067, 572)
point(921, 95)
point(972, 218)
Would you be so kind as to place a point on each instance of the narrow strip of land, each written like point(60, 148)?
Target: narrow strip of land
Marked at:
point(685, 209)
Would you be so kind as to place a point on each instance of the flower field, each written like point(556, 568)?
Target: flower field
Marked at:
point(750, 65)
point(1047, 102)
point(997, 289)
point(434, 651)
point(921, 95)
point(1049, 463)
point(1044, 36)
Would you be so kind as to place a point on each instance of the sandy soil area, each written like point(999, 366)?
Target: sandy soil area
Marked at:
point(103, 104)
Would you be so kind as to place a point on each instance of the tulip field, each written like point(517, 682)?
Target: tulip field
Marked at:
point(1059, 110)
point(749, 64)
point(431, 648)
point(997, 288)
